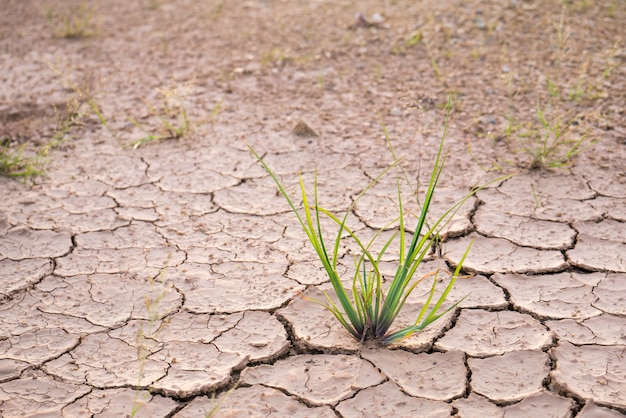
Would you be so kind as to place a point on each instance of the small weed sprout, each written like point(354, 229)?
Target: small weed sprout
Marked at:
point(612, 61)
point(367, 309)
point(277, 56)
point(66, 119)
point(84, 90)
point(414, 39)
point(14, 163)
point(73, 24)
point(556, 142)
point(555, 136)
point(173, 118)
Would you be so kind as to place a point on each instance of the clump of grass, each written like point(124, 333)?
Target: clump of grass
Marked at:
point(556, 141)
point(76, 23)
point(368, 309)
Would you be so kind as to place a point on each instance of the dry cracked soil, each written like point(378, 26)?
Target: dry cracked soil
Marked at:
point(154, 270)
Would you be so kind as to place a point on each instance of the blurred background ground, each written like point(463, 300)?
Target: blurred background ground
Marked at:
point(253, 69)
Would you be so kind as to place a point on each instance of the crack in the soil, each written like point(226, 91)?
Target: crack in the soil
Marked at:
point(468, 377)
point(431, 347)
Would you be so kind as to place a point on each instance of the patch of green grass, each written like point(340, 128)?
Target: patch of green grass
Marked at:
point(552, 140)
point(21, 161)
point(369, 308)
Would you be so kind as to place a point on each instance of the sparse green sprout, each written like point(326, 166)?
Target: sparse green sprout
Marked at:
point(414, 39)
point(557, 134)
point(277, 57)
point(553, 89)
point(584, 91)
point(214, 112)
point(369, 308)
point(85, 89)
point(433, 63)
point(561, 40)
point(510, 127)
point(612, 60)
point(536, 197)
point(20, 162)
point(75, 23)
point(145, 335)
point(556, 142)
point(173, 118)
point(14, 163)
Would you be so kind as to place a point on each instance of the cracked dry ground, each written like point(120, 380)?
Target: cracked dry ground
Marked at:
point(175, 268)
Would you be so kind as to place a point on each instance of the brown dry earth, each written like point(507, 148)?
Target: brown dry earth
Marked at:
point(177, 269)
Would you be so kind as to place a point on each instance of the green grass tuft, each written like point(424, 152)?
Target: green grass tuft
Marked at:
point(368, 309)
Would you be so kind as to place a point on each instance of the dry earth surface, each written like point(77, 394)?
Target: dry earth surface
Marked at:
point(160, 276)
